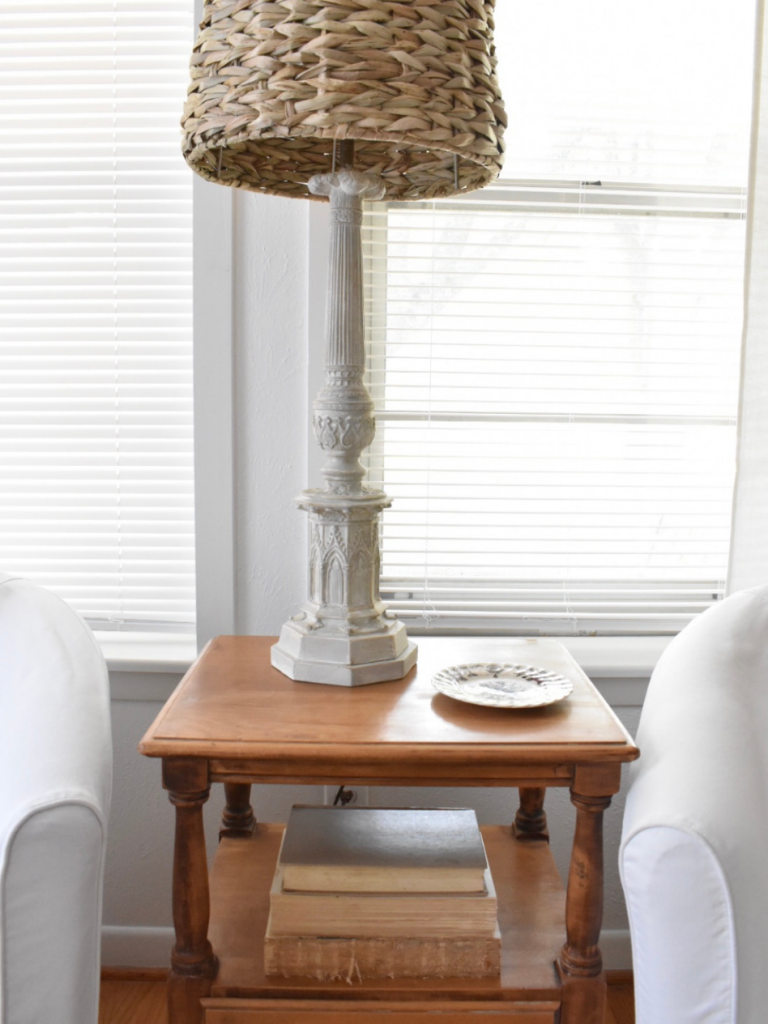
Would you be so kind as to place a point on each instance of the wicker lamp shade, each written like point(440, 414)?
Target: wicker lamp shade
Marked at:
point(275, 82)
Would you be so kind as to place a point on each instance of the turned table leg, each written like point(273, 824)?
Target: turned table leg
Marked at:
point(531, 819)
point(237, 819)
point(193, 964)
point(581, 963)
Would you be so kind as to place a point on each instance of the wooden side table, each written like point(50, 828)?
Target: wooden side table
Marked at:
point(236, 720)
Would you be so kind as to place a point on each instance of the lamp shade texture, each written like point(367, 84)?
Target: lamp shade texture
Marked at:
point(274, 84)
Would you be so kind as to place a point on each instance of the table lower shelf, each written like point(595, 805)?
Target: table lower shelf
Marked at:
point(531, 919)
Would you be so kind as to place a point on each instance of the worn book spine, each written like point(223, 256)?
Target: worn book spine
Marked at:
point(355, 915)
point(341, 878)
point(355, 960)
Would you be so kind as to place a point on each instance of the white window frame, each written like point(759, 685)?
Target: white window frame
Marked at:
point(576, 198)
point(212, 346)
point(212, 349)
point(213, 410)
point(212, 353)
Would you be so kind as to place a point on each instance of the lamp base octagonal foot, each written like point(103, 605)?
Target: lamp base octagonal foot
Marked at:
point(294, 660)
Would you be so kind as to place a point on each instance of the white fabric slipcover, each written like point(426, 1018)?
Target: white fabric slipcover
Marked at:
point(694, 852)
point(55, 787)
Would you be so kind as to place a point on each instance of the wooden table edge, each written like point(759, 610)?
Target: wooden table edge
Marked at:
point(170, 701)
point(486, 1006)
point(425, 753)
point(154, 745)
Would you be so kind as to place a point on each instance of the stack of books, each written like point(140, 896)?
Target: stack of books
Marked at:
point(370, 892)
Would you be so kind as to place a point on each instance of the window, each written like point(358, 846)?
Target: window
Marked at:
point(555, 359)
point(96, 469)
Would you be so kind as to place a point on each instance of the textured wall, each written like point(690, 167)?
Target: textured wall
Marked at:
point(270, 370)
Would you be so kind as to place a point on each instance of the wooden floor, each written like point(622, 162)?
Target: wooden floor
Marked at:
point(621, 1002)
point(143, 1002)
point(132, 1002)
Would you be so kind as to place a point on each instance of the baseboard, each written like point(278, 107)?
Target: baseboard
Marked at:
point(136, 947)
point(616, 949)
point(620, 979)
point(151, 947)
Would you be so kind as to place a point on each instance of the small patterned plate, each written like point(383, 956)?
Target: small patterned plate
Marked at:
point(502, 686)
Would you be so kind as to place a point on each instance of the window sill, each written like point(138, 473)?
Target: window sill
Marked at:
point(147, 652)
point(619, 666)
point(148, 666)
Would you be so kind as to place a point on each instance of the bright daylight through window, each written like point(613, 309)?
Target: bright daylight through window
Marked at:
point(555, 359)
point(95, 303)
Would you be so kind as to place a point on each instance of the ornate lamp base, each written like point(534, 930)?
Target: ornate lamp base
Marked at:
point(313, 658)
point(343, 635)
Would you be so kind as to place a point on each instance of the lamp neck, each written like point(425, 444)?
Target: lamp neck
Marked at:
point(344, 335)
point(343, 421)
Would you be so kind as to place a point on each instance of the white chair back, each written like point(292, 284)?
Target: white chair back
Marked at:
point(55, 788)
point(694, 852)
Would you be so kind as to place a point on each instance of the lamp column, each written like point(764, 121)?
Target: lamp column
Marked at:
point(342, 634)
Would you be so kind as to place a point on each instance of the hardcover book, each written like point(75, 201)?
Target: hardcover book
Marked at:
point(381, 914)
point(354, 960)
point(384, 850)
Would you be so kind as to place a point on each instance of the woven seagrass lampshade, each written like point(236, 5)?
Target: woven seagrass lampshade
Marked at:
point(413, 83)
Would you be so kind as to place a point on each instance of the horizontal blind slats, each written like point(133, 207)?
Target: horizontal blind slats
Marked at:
point(95, 298)
point(561, 410)
point(555, 359)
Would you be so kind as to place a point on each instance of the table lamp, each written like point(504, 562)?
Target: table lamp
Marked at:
point(345, 100)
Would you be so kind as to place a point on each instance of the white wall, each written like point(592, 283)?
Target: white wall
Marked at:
point(270, 371)
point(271, 330)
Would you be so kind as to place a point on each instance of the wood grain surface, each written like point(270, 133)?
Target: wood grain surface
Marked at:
point(133, 1002)
point(233, 705)
point(140, 1002)
point(287, 1011)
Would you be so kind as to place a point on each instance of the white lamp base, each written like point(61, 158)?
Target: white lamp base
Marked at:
point(342, 634)
point(343, 661)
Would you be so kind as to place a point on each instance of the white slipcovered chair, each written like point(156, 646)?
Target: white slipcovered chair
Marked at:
point(694, 852)
point(55, 786)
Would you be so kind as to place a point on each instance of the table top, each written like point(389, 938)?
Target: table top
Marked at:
point(233, 706)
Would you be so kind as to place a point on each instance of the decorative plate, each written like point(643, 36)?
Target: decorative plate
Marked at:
point(502, 686)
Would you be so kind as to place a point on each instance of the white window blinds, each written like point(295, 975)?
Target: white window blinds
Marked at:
point(96, 487)
point(555, 361)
